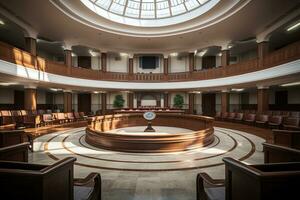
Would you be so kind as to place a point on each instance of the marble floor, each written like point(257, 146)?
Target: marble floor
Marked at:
point(148, 176)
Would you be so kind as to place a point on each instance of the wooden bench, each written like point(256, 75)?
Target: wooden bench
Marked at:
point(18, 152)
point(275, 153)
point(47, 182)
point(287, 138)
point(275, 181)
point(11, 137)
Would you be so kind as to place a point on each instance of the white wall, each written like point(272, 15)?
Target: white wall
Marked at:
point(198, 62)
point(178, 64)
point(6, 95)
point(218, 102)
point(117, 65)
point(74, 61)
point(294, 95)
point(58, 98)
point(95, 102)
point(253, 97)
point(75, 102)
point(96, 62)
point(198, 103)
point(41, 97)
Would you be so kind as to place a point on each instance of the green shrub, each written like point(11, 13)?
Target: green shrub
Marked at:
point(119, 101)
point(178, 101)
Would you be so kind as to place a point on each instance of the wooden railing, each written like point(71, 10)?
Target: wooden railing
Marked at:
point(15, 55)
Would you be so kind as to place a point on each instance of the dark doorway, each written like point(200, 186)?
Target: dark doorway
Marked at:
point(208, 62)
point(84, 102)
point(84, 62)
point(19, 100)
point(209, 104)
point(281, 98)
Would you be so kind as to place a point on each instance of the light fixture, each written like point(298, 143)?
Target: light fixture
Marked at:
point(73, 54)
point(123, 54)
point(290, 84)
point(96, 92)
point(237, 89)
point(229, 46)
point(293, 27)
point(2, 22)
point(93, 53)
point(8, 84)
point(202, 53)
point(219, 54)
point(174, 54)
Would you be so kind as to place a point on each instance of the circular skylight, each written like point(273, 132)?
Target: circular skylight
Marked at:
point(150, 13)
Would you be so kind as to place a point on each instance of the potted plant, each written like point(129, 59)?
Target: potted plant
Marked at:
point(119, 101)
point(178, 101)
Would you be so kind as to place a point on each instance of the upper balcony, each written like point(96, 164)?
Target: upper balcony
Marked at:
point(284, 55)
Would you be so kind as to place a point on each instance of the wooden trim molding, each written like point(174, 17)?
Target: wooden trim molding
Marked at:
point(202, 134)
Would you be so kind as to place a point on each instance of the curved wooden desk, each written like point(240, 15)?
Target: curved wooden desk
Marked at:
point(202, 134)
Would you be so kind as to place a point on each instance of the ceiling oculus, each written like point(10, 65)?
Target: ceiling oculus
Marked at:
point(150, 13)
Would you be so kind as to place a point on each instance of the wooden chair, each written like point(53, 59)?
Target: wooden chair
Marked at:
point(275, 181)
point(261, 120)
point(291, 123)
point(47, 182)
point(275, 153)
point(286, 138)
point(225, 115)
point(47, 119)
point(6, 120)
point(32, 120)
point(239, 117)
point(70, 117)
point(250, 118)
point(17, 152)
point(275, 121)
point(231, 116)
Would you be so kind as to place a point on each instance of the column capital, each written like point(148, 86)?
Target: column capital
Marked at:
point(166, 55)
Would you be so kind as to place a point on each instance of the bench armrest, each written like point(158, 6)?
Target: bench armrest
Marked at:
point(92, 180)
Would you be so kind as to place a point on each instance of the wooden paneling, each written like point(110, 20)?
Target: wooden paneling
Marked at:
point(262, 100)
point(84, 102)
point(19, 99)
point(224, 102)
point(209, 104)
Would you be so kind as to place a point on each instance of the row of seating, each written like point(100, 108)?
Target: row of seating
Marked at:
point(282, 113)
point(23, 118)
point(278, 178)
point(272, 121)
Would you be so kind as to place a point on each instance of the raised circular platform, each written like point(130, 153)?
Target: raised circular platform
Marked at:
point(201, 134)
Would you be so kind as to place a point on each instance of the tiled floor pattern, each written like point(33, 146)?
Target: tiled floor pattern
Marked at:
point(160, 176)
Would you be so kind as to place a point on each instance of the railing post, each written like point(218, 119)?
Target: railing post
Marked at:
point(262, 51)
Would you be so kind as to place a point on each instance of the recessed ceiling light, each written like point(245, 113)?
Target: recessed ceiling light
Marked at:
point(229, 46)
point(290, 84)
point(295, 26)
point(8, 84)
point(237, 89)
point(2, 22)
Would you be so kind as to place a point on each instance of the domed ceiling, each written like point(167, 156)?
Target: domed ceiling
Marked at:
point(150, 13)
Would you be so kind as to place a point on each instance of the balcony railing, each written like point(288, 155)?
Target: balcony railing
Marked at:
point(14, 55)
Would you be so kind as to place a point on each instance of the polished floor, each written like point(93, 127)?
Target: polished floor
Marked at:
point(145, 176)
